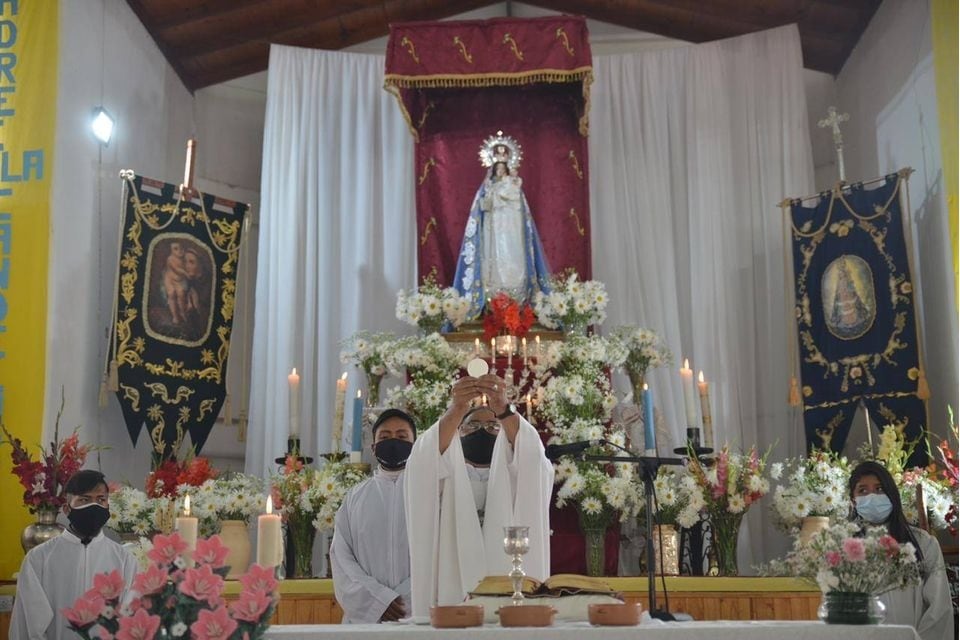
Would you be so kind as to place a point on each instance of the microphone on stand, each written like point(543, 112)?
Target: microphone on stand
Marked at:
point(555, 451)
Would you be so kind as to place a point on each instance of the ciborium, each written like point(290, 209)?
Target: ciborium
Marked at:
point(516, 542)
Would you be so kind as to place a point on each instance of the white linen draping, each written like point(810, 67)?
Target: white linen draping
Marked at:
point(337, 236)
point(691, 149)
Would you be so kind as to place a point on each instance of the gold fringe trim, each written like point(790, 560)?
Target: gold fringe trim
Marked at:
point(103, 394)
point(487, 79)
point(227, 411)
point(793, 398)
point(923, 389)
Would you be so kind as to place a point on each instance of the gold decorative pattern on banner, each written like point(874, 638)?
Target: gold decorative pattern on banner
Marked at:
point(430, 226)
point(407, 44)
point(575, 163)
point(426, 112)
point(576, 218)
point(206, 406)
point(564, 40)
point(889, 417)
point(854, 399)
point(426, 170)
point(159, 390)
point(826, 433)
point(463, 49)
point(133, 395)
point(508, 39)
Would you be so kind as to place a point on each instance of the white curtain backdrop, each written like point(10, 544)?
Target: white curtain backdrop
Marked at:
point(337, 236)
point(691, 149)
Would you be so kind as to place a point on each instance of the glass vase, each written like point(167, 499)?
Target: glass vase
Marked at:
point(844, 607)
point(725, 530)
point(636, 384)
point(595, 549)
point(575, 327)
point(373, 389)
point(302, 535)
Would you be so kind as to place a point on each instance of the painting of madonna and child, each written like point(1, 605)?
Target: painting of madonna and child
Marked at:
point(179, 297)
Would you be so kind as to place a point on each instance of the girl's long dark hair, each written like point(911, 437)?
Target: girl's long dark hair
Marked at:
point(897, 525)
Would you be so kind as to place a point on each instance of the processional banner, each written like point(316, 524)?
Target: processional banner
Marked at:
point(174, 311)
point(855, 314)
point(459, 83)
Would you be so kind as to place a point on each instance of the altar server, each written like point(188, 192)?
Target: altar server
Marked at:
point(369, 554)
point(472, 473)
point(54, 574)
point(926, 607)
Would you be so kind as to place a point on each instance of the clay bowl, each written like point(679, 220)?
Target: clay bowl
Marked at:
point(526, 615)
point(458, 616)
point(614, 615)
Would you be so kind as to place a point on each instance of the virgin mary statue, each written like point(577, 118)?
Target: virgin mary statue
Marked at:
point(501, 250)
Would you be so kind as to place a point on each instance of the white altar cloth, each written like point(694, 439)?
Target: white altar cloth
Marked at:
point(755, 630)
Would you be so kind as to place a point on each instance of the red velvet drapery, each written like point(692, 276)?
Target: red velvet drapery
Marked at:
point(460, 82)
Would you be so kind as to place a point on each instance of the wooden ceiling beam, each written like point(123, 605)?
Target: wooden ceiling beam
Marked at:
point(176, 14)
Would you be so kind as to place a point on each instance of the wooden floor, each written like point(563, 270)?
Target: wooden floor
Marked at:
point(312, 601)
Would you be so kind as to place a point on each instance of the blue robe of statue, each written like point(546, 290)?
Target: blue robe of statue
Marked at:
point(501, 248)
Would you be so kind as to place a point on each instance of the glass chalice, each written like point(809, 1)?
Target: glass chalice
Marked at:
point(516, 542)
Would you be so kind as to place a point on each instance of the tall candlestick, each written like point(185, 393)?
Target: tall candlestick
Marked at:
point(689, 396)
point(269, 537)
point(523, 350)
point(357, 439)
point(493, 351)
point(293, 382)
point(649, 430)
point(704, 390)
point(476, 347)
point(339, 401)
point(186, 526)
point(537, 340)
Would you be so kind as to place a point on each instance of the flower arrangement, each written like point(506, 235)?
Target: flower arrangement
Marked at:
point(369, 352)
point(678, 502)
point(811, 486)
point(506, 316)
point(234, 497)
point(170, 474)
point(430, 306)
point(949, 473)
point(175, 600)
point(43, 478)
point(132, 511)
point(571, 304)
point(424, 401)
point(600, 493)
point(582, 355)
point(645, 350)
point(425, 359)
point(842, 559)
point(728, 488)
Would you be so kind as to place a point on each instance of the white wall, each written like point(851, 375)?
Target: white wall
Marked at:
point(107, 57)
point(887, 87)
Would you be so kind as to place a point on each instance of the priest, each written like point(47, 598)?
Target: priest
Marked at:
point(479, 469)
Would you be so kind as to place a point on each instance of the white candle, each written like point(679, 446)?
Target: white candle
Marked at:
point(339, 401)
point(293, 382)
point(689, 396)
point(704, 389)
point(493, 351)
point(476, 347)
point(537, 340)
point(269, 537)
point(186, 526)
point(523, 350)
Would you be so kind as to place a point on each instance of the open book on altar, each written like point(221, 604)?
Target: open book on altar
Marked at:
point(562, 584)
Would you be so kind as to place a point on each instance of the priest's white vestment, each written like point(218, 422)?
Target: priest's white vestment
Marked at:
point(369, 553)
point(450, 552)
point(54, 574)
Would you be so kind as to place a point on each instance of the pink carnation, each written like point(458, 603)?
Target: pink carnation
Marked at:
point(250, 606)
point(166, 549)
point(259, 578)
point(211, 551)
point(150, 581)
point(213, 625)
point(833, 558)
point(202, 584)
point(854, 549)
point(139, 626)
point(85, 610)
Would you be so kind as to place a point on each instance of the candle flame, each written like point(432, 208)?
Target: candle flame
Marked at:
point(359, 394)
point(344, 376)
point(700, 377)
point(645, 386)
point(294, 371)
point(186, 505)
point(686, 363)
point(269, 504)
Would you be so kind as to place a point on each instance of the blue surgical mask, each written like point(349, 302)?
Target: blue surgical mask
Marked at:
point(875, 508)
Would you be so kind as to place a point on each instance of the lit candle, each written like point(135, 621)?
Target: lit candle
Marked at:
point(689, 396)
point(293, 381)
point(523, 350)
point(186, 526)
point(704, 390)
point(537, 340)
point(493, 351)
point(357, 440)
point(339, 401)
point(530, 417)
point(476, 347)
point(269, 537)
point(649, 432)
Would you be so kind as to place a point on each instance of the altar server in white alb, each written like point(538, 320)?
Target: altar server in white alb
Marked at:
point(54, 574)
point(474, 472)
point(369, 553)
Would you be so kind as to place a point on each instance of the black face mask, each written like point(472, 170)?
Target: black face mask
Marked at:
point(87, 520)
point(478, 446)
point(392, 453)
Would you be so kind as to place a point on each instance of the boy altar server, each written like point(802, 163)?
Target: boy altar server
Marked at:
point(469, 475)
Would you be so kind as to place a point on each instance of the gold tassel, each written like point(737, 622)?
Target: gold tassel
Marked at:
point(923, 389)
point(227, 411)
point(794, 397)
point(103, 394)
point(113, 379)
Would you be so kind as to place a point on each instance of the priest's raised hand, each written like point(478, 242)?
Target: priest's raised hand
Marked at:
point(478, 469)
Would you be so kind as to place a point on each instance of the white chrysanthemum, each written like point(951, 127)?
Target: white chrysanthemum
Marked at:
point(736, 504)
point(574, 484)
point(755, 483)
point(776, 470)
point(591, 506)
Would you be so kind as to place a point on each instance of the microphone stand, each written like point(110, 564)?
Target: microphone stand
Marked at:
point(647, 466)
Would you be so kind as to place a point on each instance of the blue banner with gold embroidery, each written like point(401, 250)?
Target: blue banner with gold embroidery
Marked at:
point(855, 314)
point(174, 311)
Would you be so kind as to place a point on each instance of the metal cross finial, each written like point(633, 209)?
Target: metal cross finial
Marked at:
point(833, 121)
